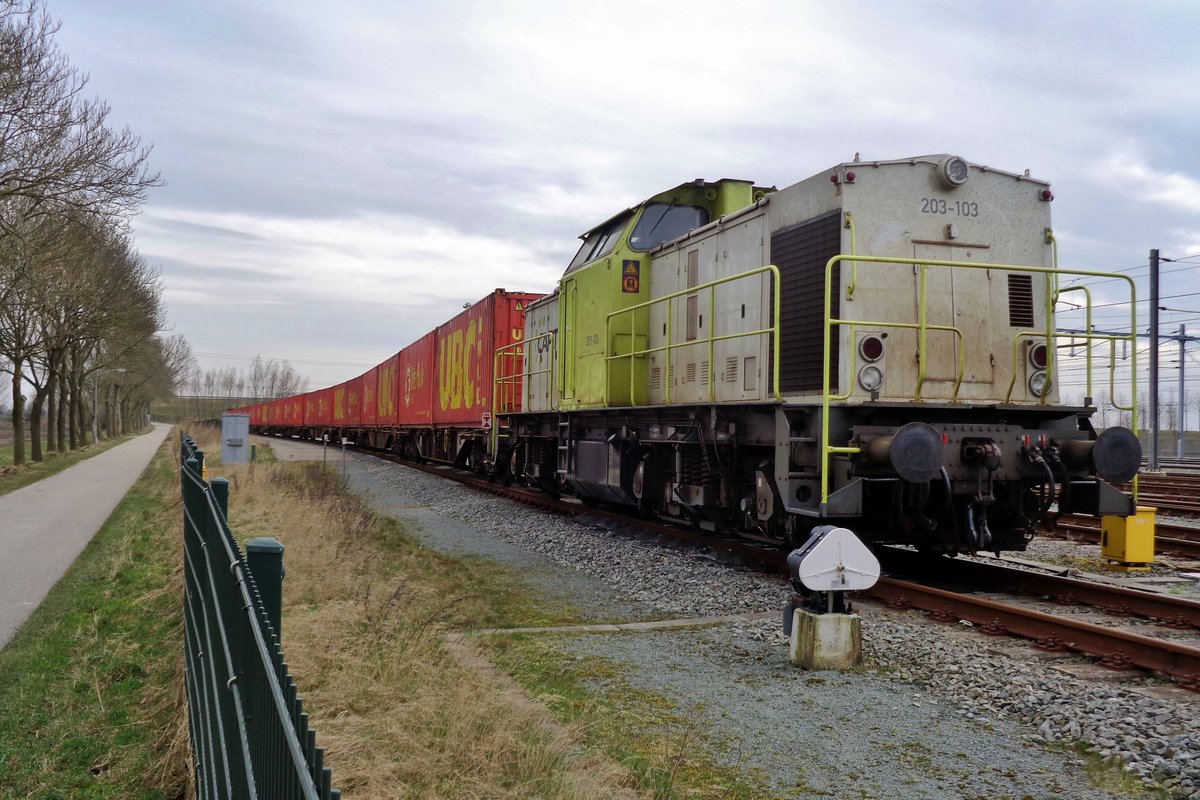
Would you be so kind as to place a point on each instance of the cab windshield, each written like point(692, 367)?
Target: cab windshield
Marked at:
point(662, 222)
point(600, 242)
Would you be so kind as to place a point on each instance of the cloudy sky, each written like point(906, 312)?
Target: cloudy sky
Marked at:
point(342, 177)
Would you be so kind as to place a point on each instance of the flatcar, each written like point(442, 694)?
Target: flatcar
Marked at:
point(875, 346)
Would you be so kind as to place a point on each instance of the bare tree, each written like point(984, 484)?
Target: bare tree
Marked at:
point(62, 169)
point(56, 148)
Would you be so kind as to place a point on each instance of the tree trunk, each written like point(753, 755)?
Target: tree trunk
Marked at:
point(18, 415)
point(35, 425)
point(114, 421)
point(60, 443)
point(79, 398)
point(52, 402)
point(73, 427)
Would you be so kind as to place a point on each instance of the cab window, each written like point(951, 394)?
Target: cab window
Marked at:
point(662, 222)
point(600, 242)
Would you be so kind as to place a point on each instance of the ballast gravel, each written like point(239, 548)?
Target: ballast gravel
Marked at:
point(939, 712)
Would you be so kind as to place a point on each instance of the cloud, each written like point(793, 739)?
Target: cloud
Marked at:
point(368, 259)
point(1174, 190)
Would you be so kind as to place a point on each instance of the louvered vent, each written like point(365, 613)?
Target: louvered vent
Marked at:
point(1020, 301)
point(656, 377)
point(704, 372)
point(731, 370)
point(689, 375)
point(801, 253)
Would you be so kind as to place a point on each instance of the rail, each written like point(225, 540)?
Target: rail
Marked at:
point(709, 338)
point(922, 326)
point(249, 731)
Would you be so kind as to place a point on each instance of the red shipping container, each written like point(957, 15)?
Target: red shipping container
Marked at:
point(354, 401)
point(347, 406)
point(415, 387)
point(386, 406)
point(293, 411)
point(324, 408)
point(466, 348)
point(309, 415)
point(370, 407)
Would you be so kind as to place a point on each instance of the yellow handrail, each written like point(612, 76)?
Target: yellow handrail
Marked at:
point(1087, 325)
point(517, 379)
point(709, 339)
point(853, 251)
point(871, 323)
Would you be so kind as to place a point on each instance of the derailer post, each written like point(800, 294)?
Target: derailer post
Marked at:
point(831, 563)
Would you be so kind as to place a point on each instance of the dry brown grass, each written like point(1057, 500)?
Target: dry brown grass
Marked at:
point(366, 613)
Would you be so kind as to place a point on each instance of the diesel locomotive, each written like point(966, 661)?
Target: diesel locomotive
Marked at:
point(874, 347)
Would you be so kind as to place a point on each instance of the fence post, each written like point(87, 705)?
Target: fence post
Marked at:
point(264, 556)
point(220, 490)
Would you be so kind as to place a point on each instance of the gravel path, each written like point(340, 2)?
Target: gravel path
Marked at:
point(940, 713)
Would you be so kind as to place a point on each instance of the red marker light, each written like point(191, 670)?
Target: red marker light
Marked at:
point(1046, 195)
point(850, 176)
point(871, 348)
point(1037, 356)
point(834, 178)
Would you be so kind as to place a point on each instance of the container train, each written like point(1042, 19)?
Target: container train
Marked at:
point(875, 347)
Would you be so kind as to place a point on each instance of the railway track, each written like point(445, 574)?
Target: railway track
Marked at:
point(1114, 647)
point(1176, 492)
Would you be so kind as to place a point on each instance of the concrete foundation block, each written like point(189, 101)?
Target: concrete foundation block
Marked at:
point(825, 641)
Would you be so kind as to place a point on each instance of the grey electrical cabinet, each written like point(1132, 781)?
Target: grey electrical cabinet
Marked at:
point(235, 438)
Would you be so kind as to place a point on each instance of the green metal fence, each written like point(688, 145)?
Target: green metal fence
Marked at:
point(249, 731)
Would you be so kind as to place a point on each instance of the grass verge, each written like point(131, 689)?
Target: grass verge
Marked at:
point(367, 612)
point(644, 732)
point(91, 701)
point(14, 477)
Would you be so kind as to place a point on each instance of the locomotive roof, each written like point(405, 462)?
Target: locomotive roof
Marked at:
point(935, 158)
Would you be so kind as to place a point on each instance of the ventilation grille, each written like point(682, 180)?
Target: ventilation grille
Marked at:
point(689, 375)
point(704, 373)
point(730, 375)
point(1020, 301)
point(801, 253)
point(656, 377)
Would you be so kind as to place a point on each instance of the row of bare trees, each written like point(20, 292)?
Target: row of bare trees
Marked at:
point(79, 308)
point(208, 393)
point(262, 380)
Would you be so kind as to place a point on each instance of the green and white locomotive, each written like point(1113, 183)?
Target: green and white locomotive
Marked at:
point(874, 347)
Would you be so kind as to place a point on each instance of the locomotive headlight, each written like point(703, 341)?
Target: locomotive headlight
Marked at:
point(870, 378)
point(953, 171)
point(1039, 384)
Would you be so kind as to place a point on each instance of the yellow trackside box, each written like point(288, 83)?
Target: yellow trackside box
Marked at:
point(1128, 540)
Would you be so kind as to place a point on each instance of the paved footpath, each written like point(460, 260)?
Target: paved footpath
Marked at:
point(46, 525)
